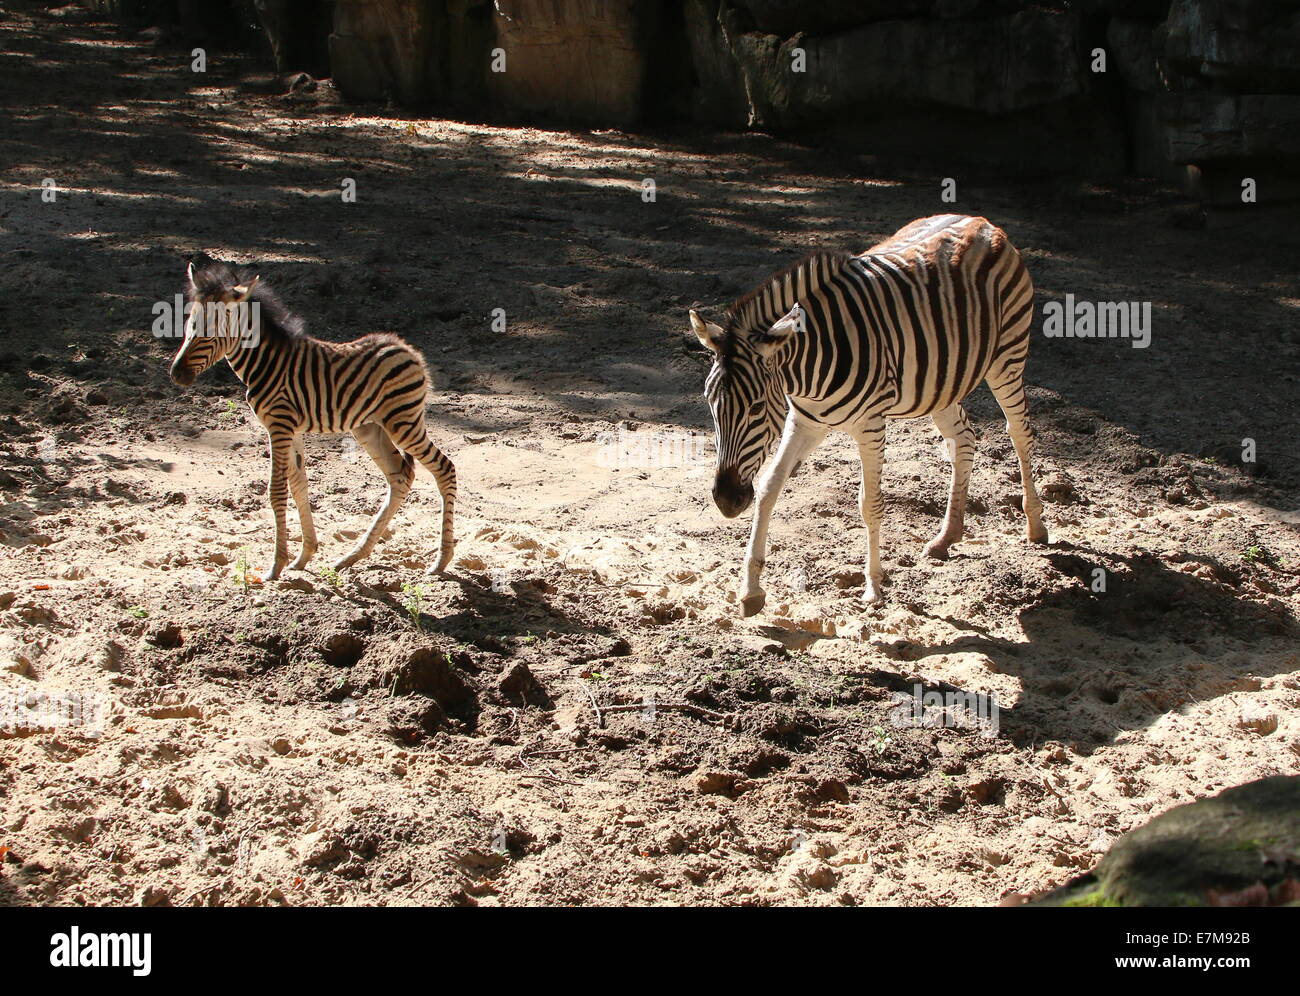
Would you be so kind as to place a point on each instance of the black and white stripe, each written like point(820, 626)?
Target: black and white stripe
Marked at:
point(906, 329)
point(373, 387)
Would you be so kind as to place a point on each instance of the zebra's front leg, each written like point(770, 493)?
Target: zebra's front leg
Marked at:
point(302, 499)
point(400, 472)
point(281, 454)
point(871, 451)
point(798, 439)
point(959, 445)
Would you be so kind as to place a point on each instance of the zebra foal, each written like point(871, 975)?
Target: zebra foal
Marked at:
point(840, 341)
point(373, 387)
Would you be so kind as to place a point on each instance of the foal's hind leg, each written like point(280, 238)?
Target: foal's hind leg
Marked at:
point(412, 437)
point(959, 443)
point(400, 473)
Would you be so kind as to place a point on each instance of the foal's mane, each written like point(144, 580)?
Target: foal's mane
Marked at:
point(212, 277)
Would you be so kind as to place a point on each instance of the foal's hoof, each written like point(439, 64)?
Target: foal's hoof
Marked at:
point(936, 550)
point(752, 604)
point(1039, 535)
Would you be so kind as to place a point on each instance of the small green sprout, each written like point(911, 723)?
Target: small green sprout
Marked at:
point(882, 739)
point(413, 603)
point(242, 572)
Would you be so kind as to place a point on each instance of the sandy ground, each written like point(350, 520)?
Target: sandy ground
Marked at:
point(577, 714)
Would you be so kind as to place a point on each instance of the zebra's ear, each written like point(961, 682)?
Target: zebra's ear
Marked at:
point(781, 331)
point(241, 291)
point(708, 333)
point(189, 274)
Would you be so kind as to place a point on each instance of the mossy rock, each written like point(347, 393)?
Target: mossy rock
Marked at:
point(1205, 853)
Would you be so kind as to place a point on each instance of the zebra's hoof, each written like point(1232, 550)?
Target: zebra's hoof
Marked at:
point(871, 594)
point(752, 604)
point(443, 563)
point(1038, 535)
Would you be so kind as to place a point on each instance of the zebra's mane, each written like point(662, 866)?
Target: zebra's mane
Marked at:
point(212, 277)
point(748, 308)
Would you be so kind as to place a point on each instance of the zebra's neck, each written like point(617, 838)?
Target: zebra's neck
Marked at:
point(762, 308)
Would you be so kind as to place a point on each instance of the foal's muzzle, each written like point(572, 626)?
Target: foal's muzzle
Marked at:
point(731, 494)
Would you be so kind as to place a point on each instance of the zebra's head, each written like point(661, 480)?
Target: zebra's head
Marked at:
point(747, 400)
point(218, 320)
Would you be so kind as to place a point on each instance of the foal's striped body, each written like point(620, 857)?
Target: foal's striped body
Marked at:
point(905, 329)
point(373, 387)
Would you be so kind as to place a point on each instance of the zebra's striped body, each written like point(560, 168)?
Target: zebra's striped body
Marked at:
point(906, 329)
point(373, 387)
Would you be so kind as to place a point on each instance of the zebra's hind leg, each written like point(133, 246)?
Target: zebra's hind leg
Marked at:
point(301, 498)
point(871, 451)
point(1011, 398)
point(414, 439)
point(959, 445)
point(798, 439)
point(400, 472)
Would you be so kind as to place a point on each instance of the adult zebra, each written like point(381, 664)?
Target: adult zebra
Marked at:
point(905, 329)
point(373, 387)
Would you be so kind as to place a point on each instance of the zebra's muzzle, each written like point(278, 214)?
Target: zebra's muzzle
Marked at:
point(182, 374)
point(731, 494)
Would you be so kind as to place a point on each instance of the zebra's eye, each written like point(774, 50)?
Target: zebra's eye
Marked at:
point(756, 409)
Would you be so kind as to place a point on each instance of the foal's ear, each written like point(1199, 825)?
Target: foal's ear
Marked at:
point(242, 291)
point(781, 331)
point(708, 333)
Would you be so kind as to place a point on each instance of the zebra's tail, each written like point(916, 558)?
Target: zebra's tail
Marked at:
point(1015, 304)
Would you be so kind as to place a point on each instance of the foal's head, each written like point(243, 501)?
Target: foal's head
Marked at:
point(221, 318)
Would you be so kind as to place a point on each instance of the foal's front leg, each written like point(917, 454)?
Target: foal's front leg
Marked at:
point(281, 454)
point(302, 498)
point(798, 439)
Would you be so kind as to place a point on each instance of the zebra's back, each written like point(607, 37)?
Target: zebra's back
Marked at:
point(950, 301)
